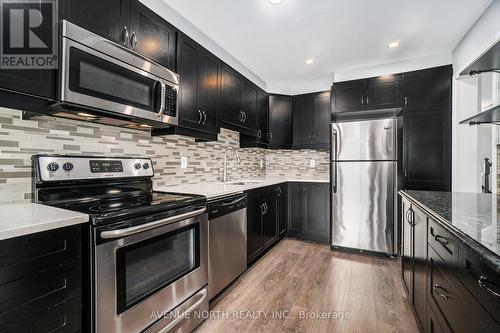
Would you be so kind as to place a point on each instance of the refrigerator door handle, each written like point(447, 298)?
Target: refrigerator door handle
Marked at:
point(334, 159)
point(334, 177)
point(334, 144)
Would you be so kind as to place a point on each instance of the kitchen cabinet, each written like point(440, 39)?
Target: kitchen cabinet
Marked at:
point(383, 92)
point(260, 140)
point(264, 214)
point(441, 275)
point(309, 211)
point(239, 102)
point(311, 119)
point(128, 23)
point(280, 121)
point(41, 282)
point(427, 129)
point(152, 36)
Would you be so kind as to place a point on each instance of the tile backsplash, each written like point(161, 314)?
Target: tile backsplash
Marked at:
point(19, 139)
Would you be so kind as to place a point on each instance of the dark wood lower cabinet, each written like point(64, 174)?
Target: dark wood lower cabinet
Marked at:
point(41, 282)
point(442, 275)
point(308, 211)
point(265, 214)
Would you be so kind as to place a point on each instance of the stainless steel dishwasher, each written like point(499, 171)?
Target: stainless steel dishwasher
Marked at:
point(227, 241)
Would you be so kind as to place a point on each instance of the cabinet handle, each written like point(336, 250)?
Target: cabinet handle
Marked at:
point(200, 116)
point(133, 40)
point(270, 135)
point(278, 189)
point(362, 100)
point(367, 99)
point(204, 117)
point(244, 116)
point(482, 283)
point(406, 102)
point(259, 134)
point(441, 240)
point(436, 287)
point(409, 215)
point(125, 36)
point(241, 116)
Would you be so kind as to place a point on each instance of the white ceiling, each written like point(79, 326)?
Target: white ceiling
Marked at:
point(273, 41)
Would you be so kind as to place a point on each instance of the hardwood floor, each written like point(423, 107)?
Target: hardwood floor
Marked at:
point(297, 278)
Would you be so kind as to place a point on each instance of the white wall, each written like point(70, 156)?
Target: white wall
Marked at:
point(471, 144)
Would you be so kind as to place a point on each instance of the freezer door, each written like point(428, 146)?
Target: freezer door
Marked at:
point(363, 201)
point(364, 140)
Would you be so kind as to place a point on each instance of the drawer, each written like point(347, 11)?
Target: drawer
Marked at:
point(480, 280)
point(443, 242)
point(65, 281)
point(454, 303)
point(44, 315)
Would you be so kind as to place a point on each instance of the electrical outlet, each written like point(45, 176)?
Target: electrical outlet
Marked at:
point(312, 163)
point(262, 164)
point(184, 162)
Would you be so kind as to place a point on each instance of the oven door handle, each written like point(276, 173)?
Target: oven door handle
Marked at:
point(203, 293)
point(111, 234)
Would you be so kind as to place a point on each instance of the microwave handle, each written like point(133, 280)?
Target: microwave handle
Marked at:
point(163, 91)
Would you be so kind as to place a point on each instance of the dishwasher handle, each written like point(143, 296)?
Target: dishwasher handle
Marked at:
point(226, 205)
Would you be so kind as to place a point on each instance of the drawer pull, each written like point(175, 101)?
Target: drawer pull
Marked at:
point(436, 287)
point(482, 283)
point(441, 240)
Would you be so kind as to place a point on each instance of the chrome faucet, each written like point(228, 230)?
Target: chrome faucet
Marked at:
point(238, 160)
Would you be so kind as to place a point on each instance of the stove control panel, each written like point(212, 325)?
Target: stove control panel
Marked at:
point(70, 168)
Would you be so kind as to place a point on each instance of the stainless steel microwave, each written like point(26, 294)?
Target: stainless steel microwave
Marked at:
point(101, 81)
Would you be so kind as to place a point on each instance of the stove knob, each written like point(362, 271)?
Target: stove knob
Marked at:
point(137, 166)
point(68, 166)
point(53, 166)
point(145, 166)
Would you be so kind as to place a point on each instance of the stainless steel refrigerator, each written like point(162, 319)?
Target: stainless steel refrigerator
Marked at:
point(364, 185)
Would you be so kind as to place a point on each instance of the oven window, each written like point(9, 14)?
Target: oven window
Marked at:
point(95, 77)
point(149, 266)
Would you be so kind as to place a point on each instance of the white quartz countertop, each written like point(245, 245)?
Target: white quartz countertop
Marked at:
point(216, 190)
point(19, 219)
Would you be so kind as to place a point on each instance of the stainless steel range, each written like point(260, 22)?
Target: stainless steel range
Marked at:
point(148, 251)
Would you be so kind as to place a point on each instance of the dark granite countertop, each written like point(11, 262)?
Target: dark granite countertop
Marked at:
point(473, 217)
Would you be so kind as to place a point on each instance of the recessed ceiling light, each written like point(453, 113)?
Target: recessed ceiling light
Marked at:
point(275, 2)
point(393, 45)
point(310, 61)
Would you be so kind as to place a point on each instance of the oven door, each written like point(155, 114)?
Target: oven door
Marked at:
point(99, 75)
point(144, 274)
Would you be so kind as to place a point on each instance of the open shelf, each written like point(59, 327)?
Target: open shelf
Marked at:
point(491, 115)
point(488, 62)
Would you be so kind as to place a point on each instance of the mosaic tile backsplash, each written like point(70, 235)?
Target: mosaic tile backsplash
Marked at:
point(19, 139)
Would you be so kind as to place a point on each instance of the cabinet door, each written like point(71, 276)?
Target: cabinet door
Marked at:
point(303, 129)
point(188, 67)
point(270, 220)
point(419, 220)
point(255, 211)
point(296, 208)
point(249, 105)
point(383, 92)
point(282, 207)
point(428, 89)
point(348, 96)
point(231, 96)
point(407, 247)
point(151, 35)
point(280, 121)
point(427, 150)
point(105, 18)
point(322, 118)
point(262, 117)
point(209, 92)
point(317, 221)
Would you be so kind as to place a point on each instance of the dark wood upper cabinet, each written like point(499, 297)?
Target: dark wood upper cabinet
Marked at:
point(384, 92)
point(199, 91)
point(427, 129)
point(427, 89)
point(303, 120)
point(311, 119)
point(151, 35)
point(260, 139)
point(109, 19)
point(348, 96)
point(280, 121)
point(239, 102)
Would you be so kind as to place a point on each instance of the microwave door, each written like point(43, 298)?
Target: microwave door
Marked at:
point(95, 80)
